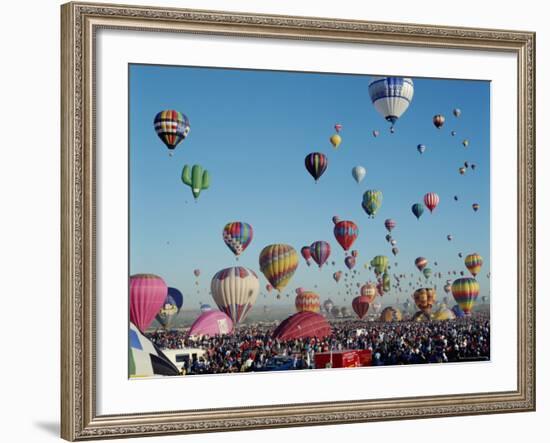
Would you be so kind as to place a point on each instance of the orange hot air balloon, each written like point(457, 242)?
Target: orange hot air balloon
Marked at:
point(473, 262)
point(424, 298)
point(369, 291)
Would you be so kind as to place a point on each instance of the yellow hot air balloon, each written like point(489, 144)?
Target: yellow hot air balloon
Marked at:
point(278, 263)
point(473, 262)
point(335, 140)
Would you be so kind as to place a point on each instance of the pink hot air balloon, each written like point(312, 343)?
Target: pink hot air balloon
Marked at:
point(147, 295)
point(212, 323)
point(431, 200)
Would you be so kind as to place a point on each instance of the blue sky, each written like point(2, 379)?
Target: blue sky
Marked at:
point(252, 129)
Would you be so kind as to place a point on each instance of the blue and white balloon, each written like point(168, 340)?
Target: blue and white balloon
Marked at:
point(391, 96)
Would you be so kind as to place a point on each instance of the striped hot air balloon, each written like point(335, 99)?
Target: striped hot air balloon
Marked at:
point(474, 262)
point(172, 127)
point(424, 298)
point(237, 236)
point(235, 291)
point(346, 232)
point(360, 306)
point(316, 164)
point(147, 295)
point(307, 301)
point(278, 262)
point(465, 292)
point(391, 96)
point(320, 252)
point(369, 291)
point(431, 200)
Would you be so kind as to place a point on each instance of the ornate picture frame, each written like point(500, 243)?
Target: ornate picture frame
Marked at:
point(80, 22)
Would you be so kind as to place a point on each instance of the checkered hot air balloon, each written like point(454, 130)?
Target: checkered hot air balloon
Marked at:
point(172, 127)
point(237, 236)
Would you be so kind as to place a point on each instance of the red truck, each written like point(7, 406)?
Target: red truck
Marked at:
point(343, 359)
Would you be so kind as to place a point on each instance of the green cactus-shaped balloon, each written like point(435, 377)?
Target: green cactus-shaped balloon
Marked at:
point(196, 178)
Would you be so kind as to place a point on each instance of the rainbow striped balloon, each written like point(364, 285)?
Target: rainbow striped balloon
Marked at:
point(172, 127)
point(278, 263)
point(237, 236)
point(474, 262)
point(465, 292)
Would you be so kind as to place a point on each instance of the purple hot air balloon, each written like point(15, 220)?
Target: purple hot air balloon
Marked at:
point(147, 295)
point(212, 323)
point(320, 252)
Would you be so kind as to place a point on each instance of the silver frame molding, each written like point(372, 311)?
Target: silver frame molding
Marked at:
point(79, 22)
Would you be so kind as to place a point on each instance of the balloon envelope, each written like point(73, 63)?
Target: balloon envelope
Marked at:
point(147, 295)
point(211, 323)
point(235, 291)
point(303, 325)
point(391, 96)
point(172, 127)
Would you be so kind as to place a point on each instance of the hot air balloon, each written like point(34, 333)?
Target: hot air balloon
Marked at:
point(473, 262)
point(390, 314)
point(197, 178)
point(350, 262)
point(380, 263)
point(369, 291)
point(355, 253)
point(235, 290)
point(328, 304)
point(176, 296)
point(424, 298)
point(417, 209)
point(473, 166)
point(147, 295)
point(302, 325)
point(421, 148)
point(335, 219)
point(278, 263)
point(459, 313)
point(338, 127)
point(337, 276)
point(455, 198)
point(320, 252)
point(386, 284)
point(167, 312)
point(172, 127)
point(237, 236)
point(388, 238)
point(211, 323)
point(268, 288)
point(465, 142)
point(393, 242)
point(360, 306)
point(346, 232)
point(449, 237)
point(395, 251)
point(390, 225)
point(421, 263)
point(457, 112)
point(358, 173)
point(307, 301)
point(196, 272)
point(438, 120)
point(375, 133)
point(453, 133)
point(447, 288)
point(391, 96)
point(475, 207)
point(306, 253)
point(335, 141)
point(431, 200)
point(205, 307)
point(427, 272)
point(465, 292)
point(316, 164)
point(372, 200)
point(466, 164)
point(462, 170)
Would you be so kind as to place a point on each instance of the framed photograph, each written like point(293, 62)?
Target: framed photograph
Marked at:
point(277, 221)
